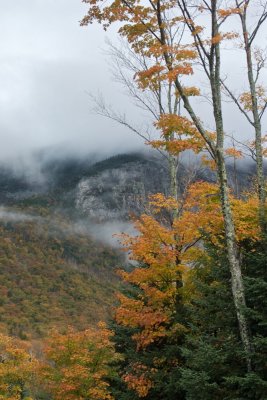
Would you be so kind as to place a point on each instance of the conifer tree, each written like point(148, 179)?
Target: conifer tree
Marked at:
point(214, 358)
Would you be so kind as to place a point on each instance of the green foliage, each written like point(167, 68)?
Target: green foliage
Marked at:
point(215, 362)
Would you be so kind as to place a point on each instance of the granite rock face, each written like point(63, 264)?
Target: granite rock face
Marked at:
point(115, 192)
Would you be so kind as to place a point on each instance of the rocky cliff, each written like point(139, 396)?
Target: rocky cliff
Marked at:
point(120, 186)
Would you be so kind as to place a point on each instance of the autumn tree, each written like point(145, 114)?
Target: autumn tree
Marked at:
point(80, 364)
point(147, 27)
point(154, 311)
point(151, 310)
point(157, 98)
point(18, 369)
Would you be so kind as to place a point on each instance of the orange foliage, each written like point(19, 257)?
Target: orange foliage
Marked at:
point(139, 381)
point(165, 254)
point(232, 152)
point(170, 123)
point(191, 91)
point(182, 69)
point(246, 99)
point(187, 137)
point(229, 11)
point(159, 202)
point(78, 364)
point(17, 368)
point(202, 213)
point(208, 162)
point(150, 77)
point(175, 147)
point(246, 217)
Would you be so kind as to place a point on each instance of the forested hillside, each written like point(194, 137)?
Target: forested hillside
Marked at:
point(52, 275)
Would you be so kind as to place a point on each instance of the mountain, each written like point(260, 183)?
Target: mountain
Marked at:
point(103, 190)
point(57, 255)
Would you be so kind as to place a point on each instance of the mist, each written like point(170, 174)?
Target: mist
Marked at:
point(48, 66)
point(6, 215)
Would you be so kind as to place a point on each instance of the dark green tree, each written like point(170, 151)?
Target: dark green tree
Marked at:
point(215, 362)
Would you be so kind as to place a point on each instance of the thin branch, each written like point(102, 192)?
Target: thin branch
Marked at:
point(259, 24)
point(107, 112)
point(251, 152)
point(263, 110)
point(235, 100)
point(188, 246)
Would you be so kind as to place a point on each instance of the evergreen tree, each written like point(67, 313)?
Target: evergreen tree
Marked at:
point(215, 362)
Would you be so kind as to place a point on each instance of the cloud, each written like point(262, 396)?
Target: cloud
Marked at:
point(6, 215)
point(104, 232)
point(47, 64)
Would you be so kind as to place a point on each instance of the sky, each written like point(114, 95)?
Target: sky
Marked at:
point(48, 65)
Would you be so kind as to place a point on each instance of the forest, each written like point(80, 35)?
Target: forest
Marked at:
point(188, 318)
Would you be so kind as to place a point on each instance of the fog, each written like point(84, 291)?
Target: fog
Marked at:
point(49, 64)
point(6, 215)
point(105, 232)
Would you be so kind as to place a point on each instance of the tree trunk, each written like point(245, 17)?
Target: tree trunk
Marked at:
point(173, 162)
point(232, 253)
point(234, 262)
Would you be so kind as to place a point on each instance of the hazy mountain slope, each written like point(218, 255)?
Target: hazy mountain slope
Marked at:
point(52, 276)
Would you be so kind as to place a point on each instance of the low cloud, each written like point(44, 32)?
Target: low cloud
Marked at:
point(104, 232)
point(6, 215)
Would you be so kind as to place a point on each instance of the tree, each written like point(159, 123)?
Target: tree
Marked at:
point(214, 365)
point(158, 100)
point(212, 349)
point(151, 310)
point(154, 311)
point(148, 27)
point(18, 369)
point(80, 364)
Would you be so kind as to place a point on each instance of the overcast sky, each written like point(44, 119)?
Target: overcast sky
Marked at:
point(48, 63)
